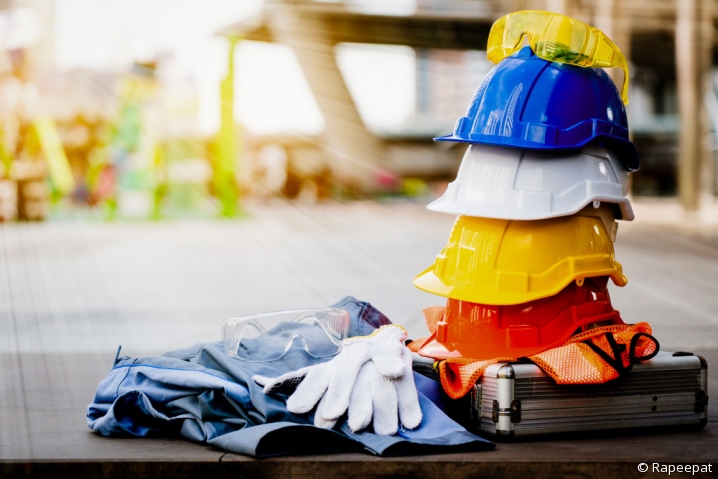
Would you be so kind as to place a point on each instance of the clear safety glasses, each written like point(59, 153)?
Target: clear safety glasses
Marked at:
point(270, 336)
point(557, 38)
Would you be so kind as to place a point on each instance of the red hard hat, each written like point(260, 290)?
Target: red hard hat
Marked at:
point(481, 331)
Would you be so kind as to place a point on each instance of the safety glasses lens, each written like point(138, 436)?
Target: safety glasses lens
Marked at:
point(270, 336)
point(555, 38)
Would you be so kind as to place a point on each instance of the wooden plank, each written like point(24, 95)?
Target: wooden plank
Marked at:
point(71, 291)
point(61, 439)
point(89, 287)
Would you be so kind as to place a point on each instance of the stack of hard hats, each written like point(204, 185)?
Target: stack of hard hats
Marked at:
point(537, 195)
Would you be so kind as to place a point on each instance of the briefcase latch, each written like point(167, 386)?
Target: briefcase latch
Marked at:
point(514, 412)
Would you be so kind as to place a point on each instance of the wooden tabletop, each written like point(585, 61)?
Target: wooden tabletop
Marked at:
point(71, 291)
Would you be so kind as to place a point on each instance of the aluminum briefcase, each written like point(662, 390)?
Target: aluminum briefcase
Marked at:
point(517, 400)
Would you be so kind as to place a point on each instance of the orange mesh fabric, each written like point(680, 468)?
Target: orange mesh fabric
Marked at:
point(574, 364)
point(432, 315)
point(591, 357)
point(459, 375)
point(580, 362)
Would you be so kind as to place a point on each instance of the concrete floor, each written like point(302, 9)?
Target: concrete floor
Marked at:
point(72, 291)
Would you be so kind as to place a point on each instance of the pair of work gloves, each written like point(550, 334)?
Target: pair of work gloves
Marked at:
point(371, 380)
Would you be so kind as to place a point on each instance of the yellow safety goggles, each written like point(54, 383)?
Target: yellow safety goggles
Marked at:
point(556, 38)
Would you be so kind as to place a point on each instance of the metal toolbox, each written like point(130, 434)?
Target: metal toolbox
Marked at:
point(516, 400)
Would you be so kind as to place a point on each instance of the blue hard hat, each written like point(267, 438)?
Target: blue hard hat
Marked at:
point(528, 102)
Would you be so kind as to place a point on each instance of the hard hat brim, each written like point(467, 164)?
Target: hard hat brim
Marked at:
point(625, 149)
point(428, 281)
point(442, 206)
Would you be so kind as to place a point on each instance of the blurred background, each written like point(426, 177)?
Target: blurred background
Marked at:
point(178, 162)
point(162, 108)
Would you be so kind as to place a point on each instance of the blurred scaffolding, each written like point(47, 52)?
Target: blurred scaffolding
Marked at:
point(381, 79)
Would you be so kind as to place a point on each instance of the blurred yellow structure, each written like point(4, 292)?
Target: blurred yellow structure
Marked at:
point(58, 166)
point(227, 141)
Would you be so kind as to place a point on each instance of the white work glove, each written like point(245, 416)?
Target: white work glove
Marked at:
point(333, 382)
point(378, 399)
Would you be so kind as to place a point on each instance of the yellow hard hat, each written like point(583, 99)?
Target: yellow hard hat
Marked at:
point(500, 262)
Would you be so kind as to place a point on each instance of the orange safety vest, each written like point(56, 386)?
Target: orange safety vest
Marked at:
point(591, 357)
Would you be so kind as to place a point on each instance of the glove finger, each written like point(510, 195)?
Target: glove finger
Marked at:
point(384, 404)
point(391, 367)
point(386, 348)
point(360, 403)
point(287, 380)
point(324, 423)
point(319, 420)
point(311, 389)
point(407, 397)
point(384, 342)
point(341, 385)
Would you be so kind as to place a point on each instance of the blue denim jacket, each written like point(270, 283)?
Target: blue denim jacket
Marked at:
point(203, 395)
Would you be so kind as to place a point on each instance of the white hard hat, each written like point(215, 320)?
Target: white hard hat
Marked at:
point(517, 184)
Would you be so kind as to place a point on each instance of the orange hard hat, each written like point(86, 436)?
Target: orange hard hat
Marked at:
point(482, 331)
